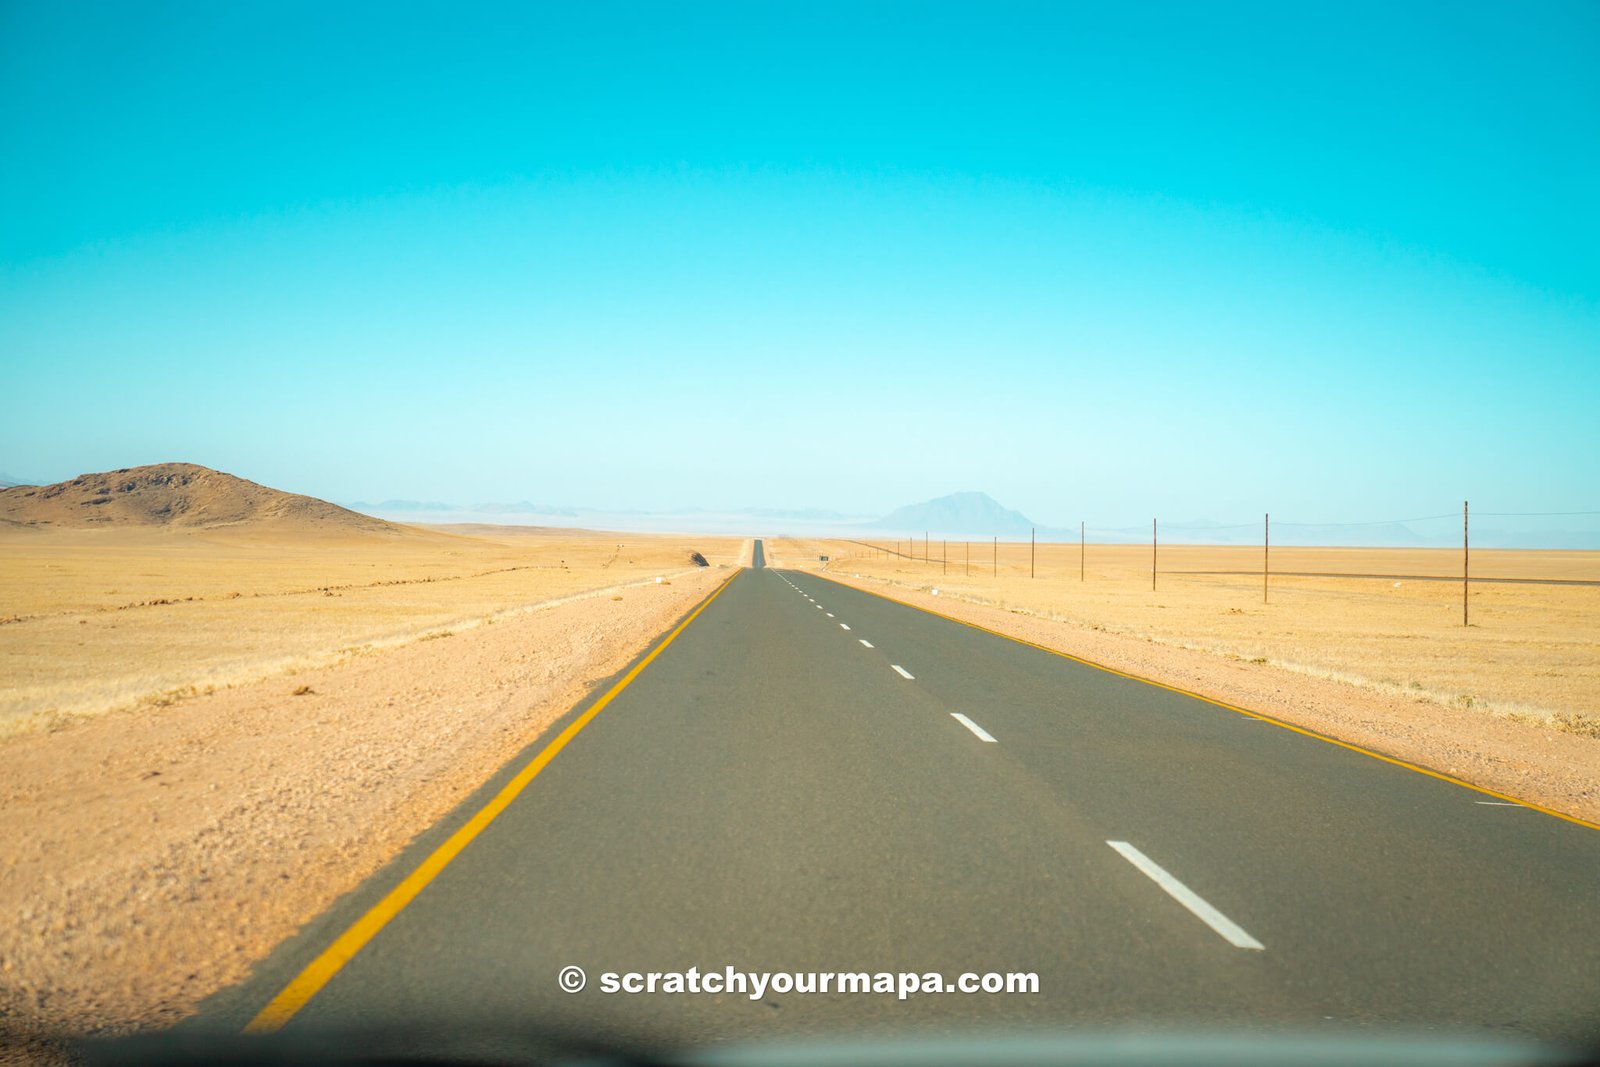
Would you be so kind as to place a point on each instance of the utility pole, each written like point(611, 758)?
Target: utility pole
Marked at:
point(1082, 552)
point(1464, 561)
point(969, 559)
point(1152, 555)
point(945, 553)
point(1032, 544)
point(1266, 551)
point(997, 556)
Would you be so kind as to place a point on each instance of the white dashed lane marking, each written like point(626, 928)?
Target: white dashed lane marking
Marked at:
point(1230, 931)
point(982, 734)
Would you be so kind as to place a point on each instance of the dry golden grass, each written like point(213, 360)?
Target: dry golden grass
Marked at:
point(1531, 651)
point(92, 620)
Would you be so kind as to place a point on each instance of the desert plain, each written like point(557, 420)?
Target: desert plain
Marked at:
point(222, 707)
point(94, 620)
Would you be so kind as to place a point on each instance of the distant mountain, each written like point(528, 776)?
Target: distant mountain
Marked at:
point(976, 514)
point(401, 505)
point(1211, 532)
point(7, 481)
point(521, 507)
point(182, 495)
point(814, 514)
point(1380, 535)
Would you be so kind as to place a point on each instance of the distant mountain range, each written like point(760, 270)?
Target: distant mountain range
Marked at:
point(817, 514)
point(522, 507)
point(971, 515)
point(179, 495)
point(525, 507)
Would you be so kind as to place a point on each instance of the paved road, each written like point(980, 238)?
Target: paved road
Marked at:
point(787, 786)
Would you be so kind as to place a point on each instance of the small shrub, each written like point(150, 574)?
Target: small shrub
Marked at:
point(1582, 725)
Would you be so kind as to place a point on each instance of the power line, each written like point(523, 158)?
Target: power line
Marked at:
point(1373, 522)
point(1534, 514)
point(1236, 526)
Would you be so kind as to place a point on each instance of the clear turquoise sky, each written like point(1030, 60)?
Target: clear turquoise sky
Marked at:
point(1195, 260)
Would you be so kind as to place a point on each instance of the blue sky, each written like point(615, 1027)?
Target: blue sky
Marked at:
point(1101, 261)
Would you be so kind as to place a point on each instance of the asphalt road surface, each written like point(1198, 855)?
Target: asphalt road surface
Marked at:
point(809, 778)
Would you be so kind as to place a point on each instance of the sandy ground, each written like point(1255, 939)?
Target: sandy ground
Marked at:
point(152, 849)
point(151, 855)
point(97, 620)
point(1529, 757)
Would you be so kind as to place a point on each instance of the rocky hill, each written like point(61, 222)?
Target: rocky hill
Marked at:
point(175, 495)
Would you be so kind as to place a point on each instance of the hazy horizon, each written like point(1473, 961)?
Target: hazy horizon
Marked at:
point(1332, 262)
point(1574, 530)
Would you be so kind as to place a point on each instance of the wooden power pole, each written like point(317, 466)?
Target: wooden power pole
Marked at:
point(1152, 555)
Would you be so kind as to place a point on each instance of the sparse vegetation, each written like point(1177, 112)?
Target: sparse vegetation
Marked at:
point(201, 610)
point(1574, 723)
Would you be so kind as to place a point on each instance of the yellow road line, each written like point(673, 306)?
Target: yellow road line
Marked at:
point(319, 971)
point(1223, 704)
